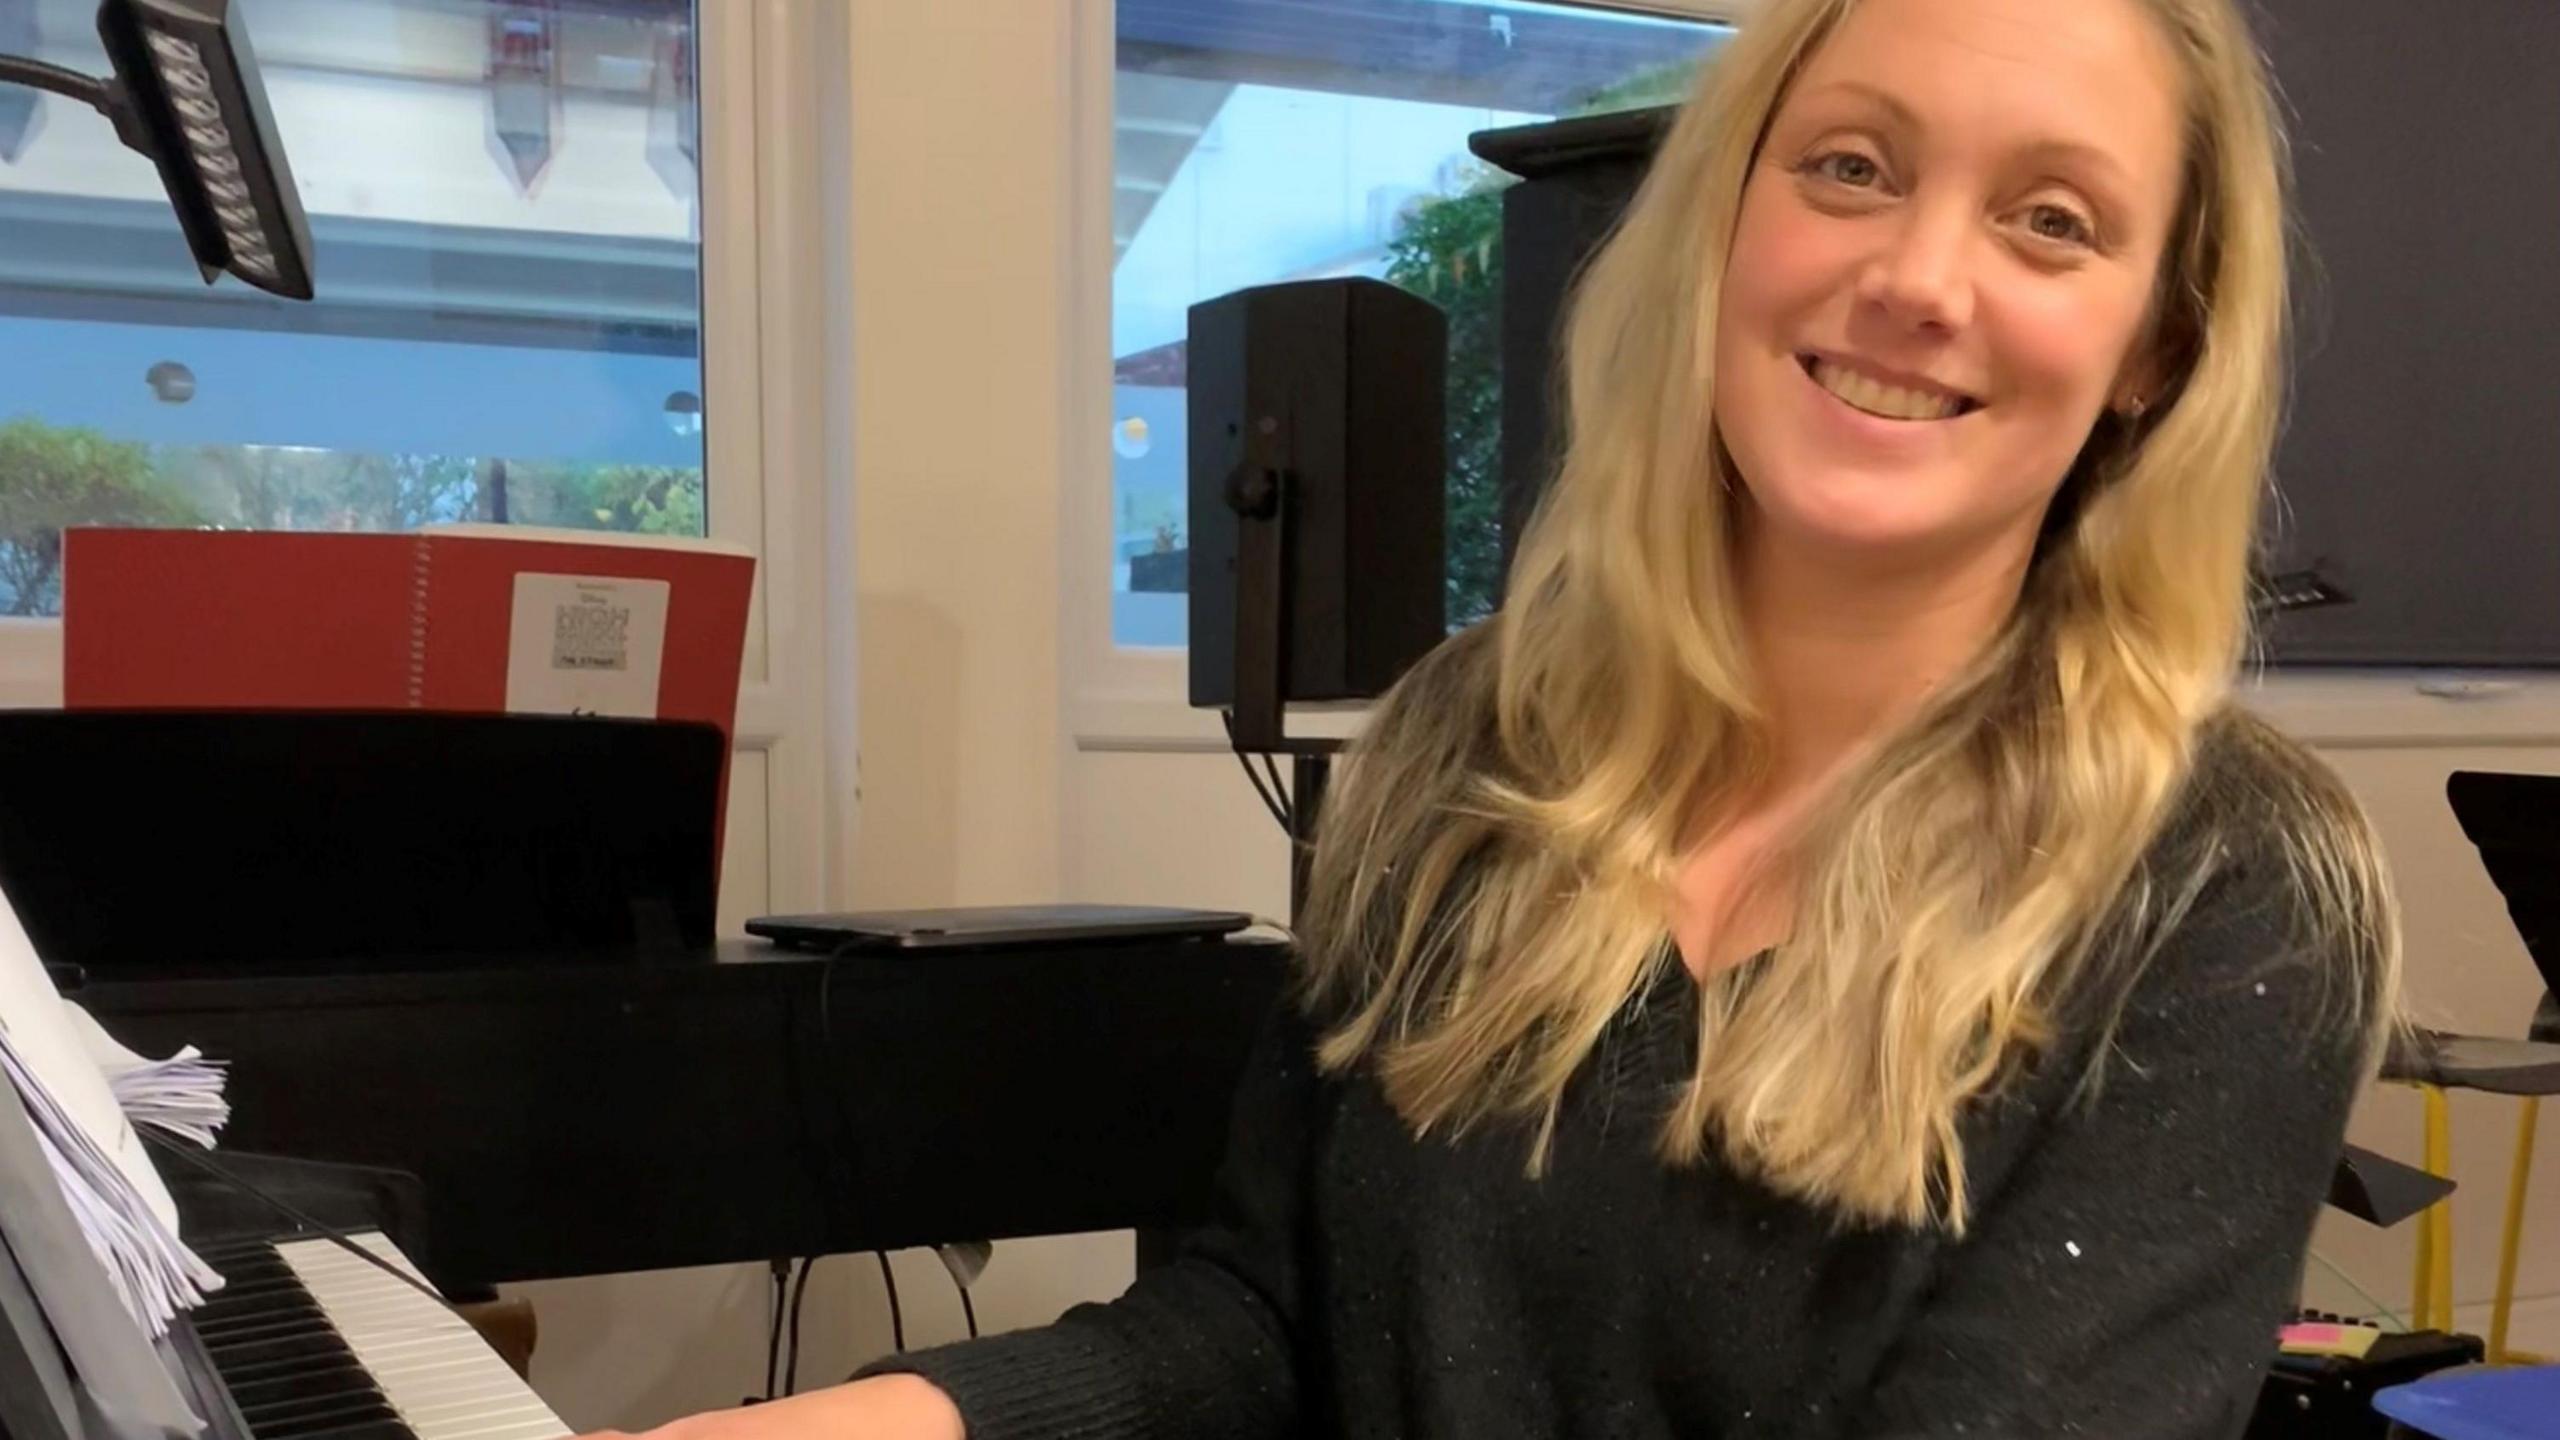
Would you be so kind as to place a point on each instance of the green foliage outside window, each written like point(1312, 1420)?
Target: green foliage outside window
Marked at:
point(55, 476)
point(1448, 250)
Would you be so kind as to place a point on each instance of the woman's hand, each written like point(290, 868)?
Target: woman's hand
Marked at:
point(885, 1407)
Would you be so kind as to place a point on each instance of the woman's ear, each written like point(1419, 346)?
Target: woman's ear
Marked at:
point(2144, 376)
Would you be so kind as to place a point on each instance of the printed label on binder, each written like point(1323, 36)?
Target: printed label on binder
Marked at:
point(586, 645)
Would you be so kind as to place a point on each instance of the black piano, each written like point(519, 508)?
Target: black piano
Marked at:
point(305, 1340)
point(467, 964)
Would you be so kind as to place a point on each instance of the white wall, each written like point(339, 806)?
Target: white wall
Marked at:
point(959, 313)
point(957, 129)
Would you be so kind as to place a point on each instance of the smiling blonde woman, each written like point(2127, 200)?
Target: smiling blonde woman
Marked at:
point(1827, 959)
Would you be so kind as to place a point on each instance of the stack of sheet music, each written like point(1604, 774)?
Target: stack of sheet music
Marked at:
point(83, 1094)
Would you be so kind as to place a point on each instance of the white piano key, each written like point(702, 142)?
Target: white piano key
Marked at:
point(433, 1367)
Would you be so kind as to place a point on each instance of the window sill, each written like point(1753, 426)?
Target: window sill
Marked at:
point(1165, 723)
point(2342, 709)
point(2399, 709)
point(30, 664)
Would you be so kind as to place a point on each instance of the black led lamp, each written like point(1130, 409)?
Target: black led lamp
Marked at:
point(186, 94)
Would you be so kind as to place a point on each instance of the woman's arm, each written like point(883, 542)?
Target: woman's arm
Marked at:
point(2128, 1279)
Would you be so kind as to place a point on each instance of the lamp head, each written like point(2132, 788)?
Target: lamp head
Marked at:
point(191, 101)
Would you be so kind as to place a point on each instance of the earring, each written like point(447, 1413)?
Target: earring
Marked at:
point(2134, 407)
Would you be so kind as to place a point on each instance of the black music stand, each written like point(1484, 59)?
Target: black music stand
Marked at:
point(2514, 821)
point(243, 842)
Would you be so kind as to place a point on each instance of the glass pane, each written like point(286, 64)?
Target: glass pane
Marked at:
point(1265, 140)
point(505, 219)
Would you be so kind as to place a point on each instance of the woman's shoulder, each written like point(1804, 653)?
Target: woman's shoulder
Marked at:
point(2252, 778)
point(2267, 874)
point(2251, 795)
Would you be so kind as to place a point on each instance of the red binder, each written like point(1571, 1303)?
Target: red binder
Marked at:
point(482, 620)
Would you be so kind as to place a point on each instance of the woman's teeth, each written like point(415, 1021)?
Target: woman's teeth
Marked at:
point(1891, 402)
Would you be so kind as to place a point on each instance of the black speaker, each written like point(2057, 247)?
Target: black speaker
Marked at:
point(1576, 177)
point(1317, 433)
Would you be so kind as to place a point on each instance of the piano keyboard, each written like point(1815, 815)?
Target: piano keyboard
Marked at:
point(312, 1343)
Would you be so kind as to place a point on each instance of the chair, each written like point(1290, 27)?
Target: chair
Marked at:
point(2436, 1062)
point(2514, 822)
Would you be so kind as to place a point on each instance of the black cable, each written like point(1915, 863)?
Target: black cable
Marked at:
point(897, 1315)
point(1279, 811)
point(1288, 802)
point(780, 1273)
point(799, 1293)
point(17, 69)
point(968, 1309)
point(291, 1212)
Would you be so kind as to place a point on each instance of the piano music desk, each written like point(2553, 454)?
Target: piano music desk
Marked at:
point(580, 1115)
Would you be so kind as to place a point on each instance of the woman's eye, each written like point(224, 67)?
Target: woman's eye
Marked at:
point(2060, 224)
point(1847, 167)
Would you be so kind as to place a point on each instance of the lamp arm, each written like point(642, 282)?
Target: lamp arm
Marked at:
point(18, 69)
point(107, 97)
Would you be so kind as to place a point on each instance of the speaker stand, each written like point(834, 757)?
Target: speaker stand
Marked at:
point(1263, 496)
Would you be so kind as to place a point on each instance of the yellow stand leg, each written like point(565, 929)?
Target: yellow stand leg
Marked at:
point(2431, 1286)
point(2440, 1160)
point(2528, 1115)
point(2422, 1280)
point(2422, 1252)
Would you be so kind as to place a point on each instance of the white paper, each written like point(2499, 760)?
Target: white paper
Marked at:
point(586, 645)
point(124, 1388)
point(48, 1043)
point(181, 1096)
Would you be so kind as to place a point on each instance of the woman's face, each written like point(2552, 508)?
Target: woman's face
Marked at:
point(1943, 271)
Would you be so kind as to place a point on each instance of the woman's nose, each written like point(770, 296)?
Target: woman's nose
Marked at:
point(1921, 275)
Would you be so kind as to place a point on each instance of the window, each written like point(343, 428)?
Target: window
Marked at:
point(506, 215)
point(1257, 141)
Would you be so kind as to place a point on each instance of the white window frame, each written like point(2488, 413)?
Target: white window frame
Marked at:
point(1124, 697)
point(1131, 698)
point(779, 485)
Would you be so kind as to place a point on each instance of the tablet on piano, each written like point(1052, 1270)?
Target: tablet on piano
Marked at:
point(994, 927)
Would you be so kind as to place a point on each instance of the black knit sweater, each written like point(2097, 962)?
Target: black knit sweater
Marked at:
point(2128, 1259)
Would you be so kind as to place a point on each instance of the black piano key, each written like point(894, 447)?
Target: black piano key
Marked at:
point(308, 1417)
point(256, 1295)
point(289, 1329)
point(226, 1325)
point(315, 1412)
point(261, 1284)
point(263, 1278)
point(255, 1350)
point(343, 1377)
point(264, 1360)
point(256, 1302)
point(302, 1412)
point(237, 1252)
point(371, 1430)
point(262, 1319)
point(227, 1343)
point(284, 1369)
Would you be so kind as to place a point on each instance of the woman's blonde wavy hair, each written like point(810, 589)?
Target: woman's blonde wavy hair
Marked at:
point(1491, 883)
